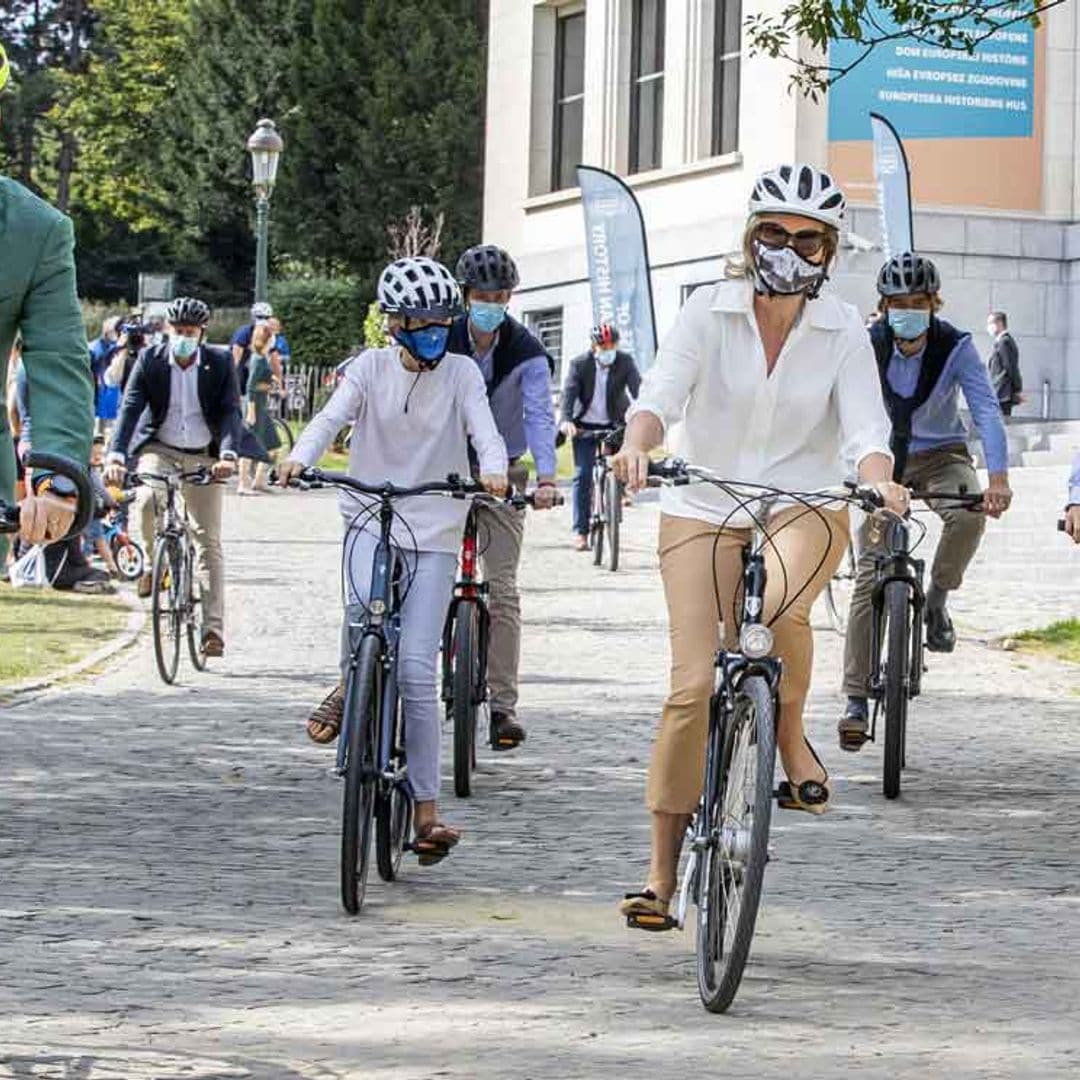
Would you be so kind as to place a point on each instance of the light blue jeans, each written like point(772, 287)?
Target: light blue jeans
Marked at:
point(427, 588)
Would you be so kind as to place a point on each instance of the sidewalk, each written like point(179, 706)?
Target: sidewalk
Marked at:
point(168, 857)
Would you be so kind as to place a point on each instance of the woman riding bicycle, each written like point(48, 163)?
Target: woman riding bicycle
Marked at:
point(773, 380)
point(413, 408)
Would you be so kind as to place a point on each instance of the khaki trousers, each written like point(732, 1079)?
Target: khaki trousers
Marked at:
point(947, 469)
point(204, 511)
point(501, 533)
point(699, 561)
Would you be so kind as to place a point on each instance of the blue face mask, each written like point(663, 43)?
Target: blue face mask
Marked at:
point(184, 347)
point(486, 317)
point(909, 324)
point(606, 357)
point(428, 344)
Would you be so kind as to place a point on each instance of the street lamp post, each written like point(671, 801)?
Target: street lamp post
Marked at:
point(265, 146)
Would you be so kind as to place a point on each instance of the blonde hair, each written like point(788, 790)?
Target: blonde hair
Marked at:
point(737, 264)
point(262, 337)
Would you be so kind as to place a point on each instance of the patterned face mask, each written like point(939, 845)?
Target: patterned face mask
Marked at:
point(782, 271)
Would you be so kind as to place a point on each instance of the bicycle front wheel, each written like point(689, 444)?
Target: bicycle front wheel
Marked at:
point(613, 497)
point(464, 705)
point(598, 518)
point(193, 614)
point(732, 867)
point(362, 701)
point(165, 608)
point(897, 681)
point(129, 559)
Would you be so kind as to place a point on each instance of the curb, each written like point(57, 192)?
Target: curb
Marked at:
point(21, 692)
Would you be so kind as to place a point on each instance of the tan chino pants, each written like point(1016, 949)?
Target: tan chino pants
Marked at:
point(699, 561)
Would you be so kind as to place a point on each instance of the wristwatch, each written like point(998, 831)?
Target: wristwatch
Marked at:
point(55, 484)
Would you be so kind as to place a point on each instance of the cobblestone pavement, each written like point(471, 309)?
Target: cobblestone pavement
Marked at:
point(168, 890)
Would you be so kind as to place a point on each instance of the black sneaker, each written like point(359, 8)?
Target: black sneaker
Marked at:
point(854, 726)
point(940, 635)
point(506, 733)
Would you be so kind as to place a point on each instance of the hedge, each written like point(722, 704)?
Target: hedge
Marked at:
point(323, 318)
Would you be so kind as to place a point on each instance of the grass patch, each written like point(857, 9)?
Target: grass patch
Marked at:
point(1060, 639)
point(43, 631)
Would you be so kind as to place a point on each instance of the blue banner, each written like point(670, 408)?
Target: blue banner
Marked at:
point(935, 93)
point(618, 262)
point(893, 187)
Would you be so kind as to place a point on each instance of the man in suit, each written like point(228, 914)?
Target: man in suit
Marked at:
point(598, 390)
point(181, 412)
point(1004, 363)
point(38, 301)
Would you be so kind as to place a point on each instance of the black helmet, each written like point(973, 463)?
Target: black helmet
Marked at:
point(906, 274)
point(187, 311)
point(487, 268)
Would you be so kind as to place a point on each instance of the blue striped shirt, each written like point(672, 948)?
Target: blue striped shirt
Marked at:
point(937, 422)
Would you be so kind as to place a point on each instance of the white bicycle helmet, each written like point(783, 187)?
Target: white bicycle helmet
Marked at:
point(418, 287)
point(799, 189)
point(261, 310)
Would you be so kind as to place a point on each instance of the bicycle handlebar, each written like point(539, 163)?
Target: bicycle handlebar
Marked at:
point(200, 476)
point(62, 466)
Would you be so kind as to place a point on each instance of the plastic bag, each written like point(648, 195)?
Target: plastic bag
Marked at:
point(28, 570)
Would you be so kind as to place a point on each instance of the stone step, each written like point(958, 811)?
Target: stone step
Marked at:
point(1063, 457)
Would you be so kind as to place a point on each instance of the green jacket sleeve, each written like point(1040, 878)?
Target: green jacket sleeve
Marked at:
point(55, 352)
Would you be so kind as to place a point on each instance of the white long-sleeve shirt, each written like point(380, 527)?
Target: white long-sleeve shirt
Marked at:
point(800, 428)
point(410, 428)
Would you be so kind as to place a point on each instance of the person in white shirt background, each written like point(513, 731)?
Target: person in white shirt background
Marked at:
point(413, 407)
point(773, 380)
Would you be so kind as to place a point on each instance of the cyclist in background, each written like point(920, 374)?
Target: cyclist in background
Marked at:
point(180, 413)
point(924, 363)
point(599, 388)
point(517, 371)
point(240, 346)
point(767, 375)
point(413, 407)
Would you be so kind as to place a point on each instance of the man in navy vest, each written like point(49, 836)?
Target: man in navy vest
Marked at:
point(517, 370)
point(924, 364)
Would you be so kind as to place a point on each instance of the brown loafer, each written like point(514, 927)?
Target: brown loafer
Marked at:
point(213, 644)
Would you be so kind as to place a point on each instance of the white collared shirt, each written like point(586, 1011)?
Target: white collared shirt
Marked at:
point(802, 428)
point(597, 412)
point(184, 426)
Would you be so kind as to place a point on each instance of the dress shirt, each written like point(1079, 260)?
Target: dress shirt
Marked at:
point(597, 413)
point(184, 426)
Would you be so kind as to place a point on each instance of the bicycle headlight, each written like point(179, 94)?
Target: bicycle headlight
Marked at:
point(756, 641)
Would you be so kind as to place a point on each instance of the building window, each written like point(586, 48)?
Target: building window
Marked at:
point(569, 100)
point(647, 86)
point(547, 325)
point(727, 41)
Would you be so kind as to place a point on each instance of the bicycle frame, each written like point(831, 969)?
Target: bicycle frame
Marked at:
point(897, 564)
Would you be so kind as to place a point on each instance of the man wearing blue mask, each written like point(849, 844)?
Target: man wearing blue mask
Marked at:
point(517, 371)
point(598, 391)
point(924, 364)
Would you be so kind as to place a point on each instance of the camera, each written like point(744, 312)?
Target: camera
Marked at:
point(138, 333)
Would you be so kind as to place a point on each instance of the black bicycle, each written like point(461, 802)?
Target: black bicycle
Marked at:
point(897, 639)
point(607, 499)
point(729, 833)
point(465, 650)
point(371, 747)
point(176, 603)
point(85, 503)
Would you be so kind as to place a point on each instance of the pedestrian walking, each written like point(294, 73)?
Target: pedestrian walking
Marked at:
point(264, 374)
point(1004, 363)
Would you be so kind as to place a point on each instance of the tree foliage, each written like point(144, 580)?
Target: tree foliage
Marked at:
point(963, 25)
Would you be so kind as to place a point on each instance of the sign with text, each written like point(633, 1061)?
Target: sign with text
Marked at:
point(971, 123)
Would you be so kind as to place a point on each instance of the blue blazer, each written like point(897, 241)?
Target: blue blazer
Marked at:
point(146, 404)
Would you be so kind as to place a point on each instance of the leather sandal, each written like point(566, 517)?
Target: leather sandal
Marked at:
point(324, 724)
point(646, 911)
point(811, 796)
point(434, 841)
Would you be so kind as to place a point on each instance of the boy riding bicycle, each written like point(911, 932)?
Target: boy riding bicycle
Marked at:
point(413, 407)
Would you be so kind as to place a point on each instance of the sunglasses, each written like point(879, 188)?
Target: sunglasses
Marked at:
point(805, 242)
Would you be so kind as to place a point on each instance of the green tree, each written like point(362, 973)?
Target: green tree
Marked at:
point(965, 25)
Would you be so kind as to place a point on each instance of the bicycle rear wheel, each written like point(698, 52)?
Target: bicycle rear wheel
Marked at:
point(193, 614)
point(464, 706)
point(129, 558)
point(285, 436)
point(393, 822)
point(362, 700)
point(732, 866)
point(165, 608)
point(613, 498)
point(839, 589)
point(897, 681)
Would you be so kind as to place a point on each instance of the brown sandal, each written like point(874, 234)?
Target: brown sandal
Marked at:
point(646, 911)
point(324, 724)
point(434, 842)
